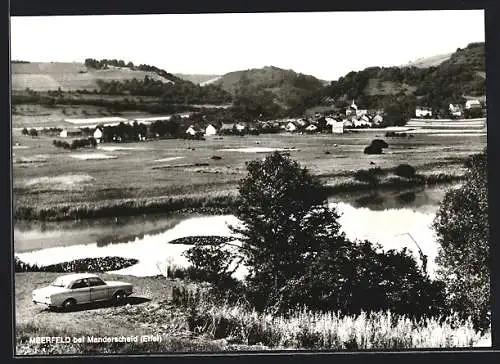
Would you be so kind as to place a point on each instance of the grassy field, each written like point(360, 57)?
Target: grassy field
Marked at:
point(153, 175)
point(154, 309)
point(43, 76)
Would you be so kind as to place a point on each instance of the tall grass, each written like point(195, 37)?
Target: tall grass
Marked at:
point(305, 329)
point(219, 203)
point(212, 203)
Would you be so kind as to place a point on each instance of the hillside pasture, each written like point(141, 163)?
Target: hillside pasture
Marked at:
point(45, 76)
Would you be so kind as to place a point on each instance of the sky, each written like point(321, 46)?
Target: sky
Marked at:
point(323, 44)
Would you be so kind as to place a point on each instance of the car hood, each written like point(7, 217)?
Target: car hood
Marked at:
point(49, 290)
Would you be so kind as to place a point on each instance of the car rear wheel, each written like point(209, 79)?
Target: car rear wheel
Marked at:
point(69, 304)
point(119, 297)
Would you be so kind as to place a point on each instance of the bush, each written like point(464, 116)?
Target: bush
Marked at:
point(25, 131)
point(405, 171)
point(373, 149)
point(376, 147)
point(33, 132)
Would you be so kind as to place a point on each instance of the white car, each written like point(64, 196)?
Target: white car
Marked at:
point(70, 290)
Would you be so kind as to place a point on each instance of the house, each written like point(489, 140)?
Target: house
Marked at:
point(455, 110)
point(377, 119)
point(302, 122)
point(347, 123)
point(63, 133)
point(210, 130)
point(192, 130)
point(240, 127)
point(311, 128)
point(421, 112)
point(98, 135)
point(360, 113)
point(359, 123)
point(291, 127)
point(472, 104)
point(365, 118)
point(226, 128)
point(338, 127)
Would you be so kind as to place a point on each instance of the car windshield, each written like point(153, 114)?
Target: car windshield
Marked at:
point(59, 282)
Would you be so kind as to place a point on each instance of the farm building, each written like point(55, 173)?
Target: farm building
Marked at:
point(421, 111)
point(291, 127)
point(210, 130)
point(472, 104)
point(98, 135)
point(338, 127)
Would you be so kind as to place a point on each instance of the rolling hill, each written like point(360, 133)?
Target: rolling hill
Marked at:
point(48, 76)
point(459, 75)
point(287, 87)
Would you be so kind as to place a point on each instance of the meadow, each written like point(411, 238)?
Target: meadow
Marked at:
point(151, 176)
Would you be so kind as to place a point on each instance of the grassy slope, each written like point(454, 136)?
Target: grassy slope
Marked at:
point(44, 76)
point(196, 78)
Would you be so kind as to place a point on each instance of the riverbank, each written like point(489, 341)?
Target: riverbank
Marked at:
point(219, 203)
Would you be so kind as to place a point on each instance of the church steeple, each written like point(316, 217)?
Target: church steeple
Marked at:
point(353, 105)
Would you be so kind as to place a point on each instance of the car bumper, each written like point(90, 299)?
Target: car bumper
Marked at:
point(43, 304)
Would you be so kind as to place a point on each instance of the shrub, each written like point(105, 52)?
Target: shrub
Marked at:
point(25, 131)
point(376, 147)
point(372, 149)
point(405, 171)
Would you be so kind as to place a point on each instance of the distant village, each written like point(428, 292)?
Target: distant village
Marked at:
point(120, 129)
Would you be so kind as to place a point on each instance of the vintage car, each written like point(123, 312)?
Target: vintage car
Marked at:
point(70, 290)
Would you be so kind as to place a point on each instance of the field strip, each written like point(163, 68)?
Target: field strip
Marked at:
point(258, 150)
point(167, 159)
point(88, 156)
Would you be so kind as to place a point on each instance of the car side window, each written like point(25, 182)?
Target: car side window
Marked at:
point(95, 281)
point(81, 283)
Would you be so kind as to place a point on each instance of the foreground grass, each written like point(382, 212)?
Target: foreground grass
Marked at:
point(311, 330)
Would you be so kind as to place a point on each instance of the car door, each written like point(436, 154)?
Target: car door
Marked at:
point(80, 291)
point(98, 289)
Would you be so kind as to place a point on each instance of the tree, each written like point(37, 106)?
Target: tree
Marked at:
point(464, 259)
point(285, 224)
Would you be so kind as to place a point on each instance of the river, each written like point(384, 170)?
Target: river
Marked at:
point(391, 218)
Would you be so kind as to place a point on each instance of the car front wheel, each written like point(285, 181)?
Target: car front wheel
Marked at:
point(119, 297)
